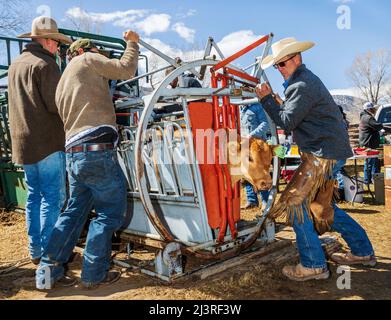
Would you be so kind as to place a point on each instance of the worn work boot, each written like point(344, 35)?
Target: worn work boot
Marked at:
point(36, 261)
point(65, 282)
point(348, 259)
point(301, 273)
point(112, 276)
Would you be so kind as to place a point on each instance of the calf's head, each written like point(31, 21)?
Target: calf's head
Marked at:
point(251, 160)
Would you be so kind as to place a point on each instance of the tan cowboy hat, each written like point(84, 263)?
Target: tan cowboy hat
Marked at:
point(283, 48)
point(46, 28)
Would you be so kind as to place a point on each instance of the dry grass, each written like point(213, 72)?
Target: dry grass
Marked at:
point(249, 281)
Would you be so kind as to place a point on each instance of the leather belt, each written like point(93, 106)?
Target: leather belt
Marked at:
point(91, 147)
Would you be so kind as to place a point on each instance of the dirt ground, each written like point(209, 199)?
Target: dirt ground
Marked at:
point(249, 281)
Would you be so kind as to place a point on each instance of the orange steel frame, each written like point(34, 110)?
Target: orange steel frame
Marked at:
point(226, 117)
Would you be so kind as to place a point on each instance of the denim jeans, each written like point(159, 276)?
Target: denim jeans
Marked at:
point(340, 173)
point(96, 180)
point(252, 197)
point(46, 183)
point(371, 167)
point(309, 245)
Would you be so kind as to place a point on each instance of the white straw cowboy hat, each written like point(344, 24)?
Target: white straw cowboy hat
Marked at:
point(283, 48)
point(46, 28)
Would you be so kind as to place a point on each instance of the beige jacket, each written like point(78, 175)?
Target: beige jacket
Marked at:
point(83, 95)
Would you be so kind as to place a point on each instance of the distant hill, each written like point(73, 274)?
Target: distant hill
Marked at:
point(351, 105)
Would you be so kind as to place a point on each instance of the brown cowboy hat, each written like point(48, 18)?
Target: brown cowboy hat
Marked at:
point(46, 28)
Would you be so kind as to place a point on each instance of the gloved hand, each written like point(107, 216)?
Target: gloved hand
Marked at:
point(279, 151)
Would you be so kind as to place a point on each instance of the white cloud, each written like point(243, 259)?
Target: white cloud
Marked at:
point(138, 19)
point(184, 32)
point(116, 16)
point(173, 52)
point(154, 23)
point(125, 23)
point(142, 20)
point(163, 47)
point(236, 41)
point(189, 13)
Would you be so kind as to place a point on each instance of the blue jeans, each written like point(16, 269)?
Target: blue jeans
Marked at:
point(46, 182)
point(371, 167)
point(309, 245)
point(340, 173)
point(96, 180)
point(252, 197)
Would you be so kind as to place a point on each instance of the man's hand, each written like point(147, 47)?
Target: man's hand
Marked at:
point(263, 90)
point(131, 36)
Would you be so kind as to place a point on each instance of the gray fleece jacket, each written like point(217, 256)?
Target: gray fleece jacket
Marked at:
point(312, 115)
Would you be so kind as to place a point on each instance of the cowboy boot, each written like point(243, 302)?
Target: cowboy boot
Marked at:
point(321, 208)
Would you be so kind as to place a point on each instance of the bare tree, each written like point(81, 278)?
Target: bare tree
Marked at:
point(13, 16)
point(370, 73)
point(388, 93)
point(84, 23)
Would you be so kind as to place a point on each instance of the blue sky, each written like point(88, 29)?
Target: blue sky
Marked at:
point(182, 25)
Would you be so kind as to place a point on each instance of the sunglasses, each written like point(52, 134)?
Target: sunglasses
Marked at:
point(283, 63)
point(58, 43)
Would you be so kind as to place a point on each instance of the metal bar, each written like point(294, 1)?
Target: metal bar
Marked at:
point(251, 65)
point(259, 73)
point(189, 161)
point(226, 239)
point(79, 34)
point(141, 234)
point(8, 44)
point(156, 275)
point(143, 76)
point(214, 44)
point(146, 65)
point(242, 75)
point(159, 53)
point(241, 53)
point(204, 92)
point(246, 102)
point(208, 47)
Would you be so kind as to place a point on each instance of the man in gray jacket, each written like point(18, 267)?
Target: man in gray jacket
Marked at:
point(311, 113)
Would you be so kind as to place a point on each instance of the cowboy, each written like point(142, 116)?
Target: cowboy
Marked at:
point(37, 131)
point(370, 131)
point(254, 124)
point(311, 113)
point(95, 176)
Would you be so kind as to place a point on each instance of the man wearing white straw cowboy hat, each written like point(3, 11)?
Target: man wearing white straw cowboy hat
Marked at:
point(37, 131)
point(310, 112)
